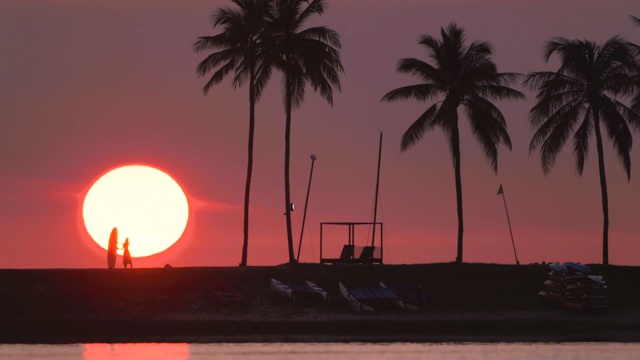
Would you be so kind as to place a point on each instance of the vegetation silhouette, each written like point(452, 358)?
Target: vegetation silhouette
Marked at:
point(464, 75)
point(304, 56)
point(635, 103)
point(238, 49)
point(259, 36)
point(579, 98)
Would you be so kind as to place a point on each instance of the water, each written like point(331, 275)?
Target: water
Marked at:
point(309, 351)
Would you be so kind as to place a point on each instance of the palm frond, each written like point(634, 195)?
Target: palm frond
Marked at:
point(420, 92)
point(621, 84)
point(419, 68)
point(293, 84)
point(619, 132)
point(500, 92)
point(635, 106)
point(314, 7)
point(323, 34)
point(225, 17)
point(553, 143)
point(419, 127)
point(581, 140)
point(242, 72)
point(432, 44)
point(219, 41)
point(495, 117)
point(447, 120)
point(218, 76)
point(554, 106)
point(504, 79)
point(216, 59)
point(263, 74)
point(488, 126)
point(564, 119)
point(631, 115)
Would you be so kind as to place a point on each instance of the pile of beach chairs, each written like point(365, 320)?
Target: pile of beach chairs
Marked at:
point(573, 286)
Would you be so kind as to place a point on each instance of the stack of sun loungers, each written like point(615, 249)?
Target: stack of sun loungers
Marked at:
point(302, 293)
point(382, 297)
point(572, 286)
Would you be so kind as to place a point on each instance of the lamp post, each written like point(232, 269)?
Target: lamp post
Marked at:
point(304, 216)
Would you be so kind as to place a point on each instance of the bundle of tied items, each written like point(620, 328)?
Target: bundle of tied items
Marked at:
point(572, 286)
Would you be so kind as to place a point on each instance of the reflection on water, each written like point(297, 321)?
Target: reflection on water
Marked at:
point(155, 351)
point(401, 351)
point(297, 351)
point(53, 352)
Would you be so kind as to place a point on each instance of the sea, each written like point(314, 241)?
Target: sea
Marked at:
point(308, 351)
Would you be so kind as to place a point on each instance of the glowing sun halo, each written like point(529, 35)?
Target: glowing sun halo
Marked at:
point(144, 203)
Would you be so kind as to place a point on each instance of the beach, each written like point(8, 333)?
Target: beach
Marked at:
point(471, 302)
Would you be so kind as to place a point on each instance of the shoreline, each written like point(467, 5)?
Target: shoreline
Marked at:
point(508, 327)
point(176, 305)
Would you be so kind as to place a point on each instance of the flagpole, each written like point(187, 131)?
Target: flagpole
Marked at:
point(375, 206)
point(304, 217)
point(501, 191)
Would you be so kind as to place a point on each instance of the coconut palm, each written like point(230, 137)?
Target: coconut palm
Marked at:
point(304, 56)
point(462, 76)
point(583, 98)
point(636, 100)
point(237, 49)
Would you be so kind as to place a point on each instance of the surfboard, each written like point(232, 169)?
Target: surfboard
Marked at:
point(113, 246)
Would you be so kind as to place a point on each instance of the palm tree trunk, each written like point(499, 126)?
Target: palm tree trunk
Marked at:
point(455, 149)
point(287, 187)
point(603, 188)
point(247, 189)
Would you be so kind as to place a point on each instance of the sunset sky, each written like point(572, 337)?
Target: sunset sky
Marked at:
point(87, 86)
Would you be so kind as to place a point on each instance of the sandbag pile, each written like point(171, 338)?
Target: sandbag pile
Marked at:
point(572, 286)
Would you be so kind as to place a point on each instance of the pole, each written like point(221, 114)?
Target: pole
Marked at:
point(304, 216)
point(501, 191)
point(375, 206)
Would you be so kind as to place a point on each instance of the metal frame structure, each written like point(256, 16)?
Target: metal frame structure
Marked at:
point(351, 241)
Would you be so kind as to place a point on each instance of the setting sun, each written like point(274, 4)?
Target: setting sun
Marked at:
point(146, 205)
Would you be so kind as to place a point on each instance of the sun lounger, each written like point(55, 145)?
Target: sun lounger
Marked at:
point(346, 256)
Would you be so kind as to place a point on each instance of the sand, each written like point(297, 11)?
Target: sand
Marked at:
point(472, 302)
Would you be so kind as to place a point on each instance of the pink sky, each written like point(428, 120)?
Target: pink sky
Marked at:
point(87, 86)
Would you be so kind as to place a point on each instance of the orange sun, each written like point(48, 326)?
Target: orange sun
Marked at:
point(144, 203)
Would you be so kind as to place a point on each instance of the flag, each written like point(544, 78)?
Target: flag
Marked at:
point(500, 190)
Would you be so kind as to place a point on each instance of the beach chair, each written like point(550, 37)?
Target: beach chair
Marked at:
point(366, 256)
point(346, 256)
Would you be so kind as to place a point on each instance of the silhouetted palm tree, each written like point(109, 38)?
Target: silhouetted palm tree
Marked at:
point(305, 56)
point(636, 100)
point(237, 49)
point(463, 75)
point(581, 97)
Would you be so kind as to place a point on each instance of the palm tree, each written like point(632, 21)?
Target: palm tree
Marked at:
point(463, 75)
point(238, 49)
point(304, 56)
point(581, 97)
point(636, 100)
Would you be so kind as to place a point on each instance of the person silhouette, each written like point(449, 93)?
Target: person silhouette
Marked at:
point(126, 257)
